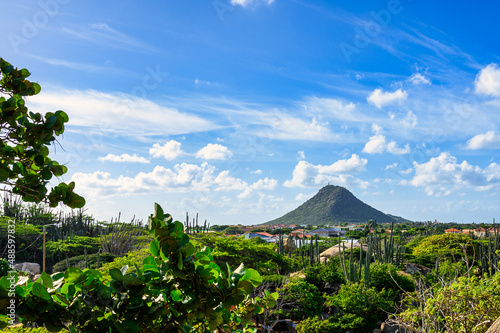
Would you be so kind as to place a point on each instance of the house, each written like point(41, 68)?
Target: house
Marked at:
point(327, 232)
point(263, 235)
point(452, 231)
point(480, 232)
point(468, 231)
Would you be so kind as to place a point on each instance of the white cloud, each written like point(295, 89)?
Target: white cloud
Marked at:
point(124, 158)
point(378, 144)
point(245, 3)
point(256, 172)
point(181, 178)
point(488, 81)
point(307, 174)
point(118, 113)
point(301, 155)
point(261, 184)
point(442, 175)
point(285, 127)
point(418, 78)
point(379, 98)
point(392, 166)
point(169, 151)
point(214, 152)
point(488, 140)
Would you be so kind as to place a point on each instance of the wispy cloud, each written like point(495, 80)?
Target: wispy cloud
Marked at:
point(103, 34)
point(379, 98)
point(118, 113)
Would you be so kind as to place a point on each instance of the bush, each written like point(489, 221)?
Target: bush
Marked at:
point(4, 267)
point(302, 300)
point(360, 307)
point(388, 276)
point(465, 305)
point(321, 274)
point(71, 247)
point(21, 329)
point(444, 246)
point(79, 261)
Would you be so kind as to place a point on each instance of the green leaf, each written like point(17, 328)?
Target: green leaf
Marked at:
point(40, 291)
point(46, 280)
point(179, 261)
point(252, 276)
point(36, 87)
point(73, 275)
point(63, 115)
point(116, 274)
point(50, 122)
point(127, 326)
point(154, 247)
point(176, 295)
point(130, 281)
point(158, 212)
point(4, 175)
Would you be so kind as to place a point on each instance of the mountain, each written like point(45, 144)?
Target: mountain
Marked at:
point(334, 204)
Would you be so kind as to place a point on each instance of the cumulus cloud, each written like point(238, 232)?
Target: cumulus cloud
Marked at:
point(418, 78)
point(443, 175)
point(378, 144)
point(488, 81)
point(307, 174)
point(214, 152)
point(181, 178)
point(379, 98)
point(124, 158)
point(261, 184)
point(169, 151)
point(245, 3)
point(488, 140)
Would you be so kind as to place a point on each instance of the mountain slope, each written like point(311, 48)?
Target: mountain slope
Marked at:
point(333, 204)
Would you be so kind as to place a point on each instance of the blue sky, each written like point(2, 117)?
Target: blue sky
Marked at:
point(241, 110)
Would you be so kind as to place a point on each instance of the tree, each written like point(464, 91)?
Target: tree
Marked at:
point(25, 137)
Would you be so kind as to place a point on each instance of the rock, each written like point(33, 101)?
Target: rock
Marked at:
point(386, 328)
point(495, 328)
point(377, 330)
point(29, 267)
point(285, 325)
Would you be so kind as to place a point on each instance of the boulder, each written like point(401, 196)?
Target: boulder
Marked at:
point(29, 267)
point(495, 328)
point(387, 328)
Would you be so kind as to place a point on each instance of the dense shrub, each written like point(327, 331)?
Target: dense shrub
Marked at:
point(464, 305)
point(360, 307)
point(321, 274)
point(388, 276)
point(79, 261)
point(442, 247)
point(4, 267)
point(302, 300)
point(71, 247)
point(20, 329)
point(335, 324)
point(130, 259)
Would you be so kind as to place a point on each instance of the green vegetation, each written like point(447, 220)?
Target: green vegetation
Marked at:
point(159, 297)
point(301, 300)
point(26, 167)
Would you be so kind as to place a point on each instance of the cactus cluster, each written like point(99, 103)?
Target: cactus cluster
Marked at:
point(386, 251)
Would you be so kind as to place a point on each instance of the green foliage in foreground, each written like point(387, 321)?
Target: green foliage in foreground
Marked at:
point(25, 166)
point(27, 330)
point(178, 289)
point(444, 246)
